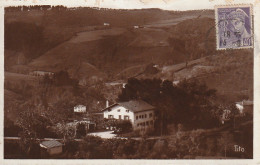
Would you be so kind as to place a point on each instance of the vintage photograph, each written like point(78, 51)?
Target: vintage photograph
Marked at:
point(98, 83)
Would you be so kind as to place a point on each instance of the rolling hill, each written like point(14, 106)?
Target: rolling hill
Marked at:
point(77, 41)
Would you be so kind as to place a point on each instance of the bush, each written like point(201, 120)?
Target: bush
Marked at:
point(121, 126)
point(81, 130)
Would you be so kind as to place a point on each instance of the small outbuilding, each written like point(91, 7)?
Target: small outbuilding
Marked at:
point(80, 109)
point(245, 106)
point(52, 147)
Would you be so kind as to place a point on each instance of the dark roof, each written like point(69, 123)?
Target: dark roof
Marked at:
point(133, 105)
point(51, 143)
point(79, 106)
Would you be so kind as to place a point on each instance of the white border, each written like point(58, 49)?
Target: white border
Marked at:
point(138, 4)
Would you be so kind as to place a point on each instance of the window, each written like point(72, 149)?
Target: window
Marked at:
point(126, 117)
point(142, 116)
point(151, 122)
point(118, 110)
point(147, 123)
point(136, 117)
point(119, 117)
point(150, 115)
point(138, 125)
point(127, 110)
point(145, 116)
point(110, 116)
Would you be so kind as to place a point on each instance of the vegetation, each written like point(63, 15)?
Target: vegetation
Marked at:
point(188, 103)
point(81, 130)
point(121, 126)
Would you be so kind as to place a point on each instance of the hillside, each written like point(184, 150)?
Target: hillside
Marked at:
point(62, 29)
point(231, 74)
point(114, 49)
point(77, 41)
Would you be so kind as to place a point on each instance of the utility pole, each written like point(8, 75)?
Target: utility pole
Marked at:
point(225, 151)
point(234, 122)
point(162, 125)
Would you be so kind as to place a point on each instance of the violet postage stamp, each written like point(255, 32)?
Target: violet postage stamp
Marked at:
point(234, 27)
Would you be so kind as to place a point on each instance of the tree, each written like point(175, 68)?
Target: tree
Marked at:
point(33, 123)
point(67, 132)
point(188, 103)
point(62, 78)
point(123, 125)
point(120, 125)
point(81, 130)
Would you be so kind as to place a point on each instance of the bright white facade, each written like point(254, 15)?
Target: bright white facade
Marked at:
point(140, 113)
point(245, 106)
point(144, 119)
point(119, 112)
point(80, 108)
point(41, 73)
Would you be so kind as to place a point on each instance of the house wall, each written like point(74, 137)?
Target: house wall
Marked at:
point(55, 150)
point(245, 109)
point(143, 120)
point(122, 111)
point(80, 109)
point(240, 108)
point(41, 73)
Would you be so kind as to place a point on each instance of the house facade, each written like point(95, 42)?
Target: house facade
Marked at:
point(245, 106)
point(41, 73)
point(138, 112)
point(80, 109)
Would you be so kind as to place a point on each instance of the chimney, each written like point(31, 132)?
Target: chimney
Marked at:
point(107, 103)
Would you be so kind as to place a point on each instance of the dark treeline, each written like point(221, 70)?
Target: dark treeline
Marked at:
point(34, 7)
point(188, 103)
point(27, 38)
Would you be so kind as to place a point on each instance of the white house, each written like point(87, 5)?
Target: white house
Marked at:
point(245, 106)
point(80, 109)
point(41, 73)
point(140, 113)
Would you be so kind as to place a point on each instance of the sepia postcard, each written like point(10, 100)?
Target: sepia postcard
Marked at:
point(130, 82)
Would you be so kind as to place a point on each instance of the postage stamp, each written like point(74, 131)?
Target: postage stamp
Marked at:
point(234, 27)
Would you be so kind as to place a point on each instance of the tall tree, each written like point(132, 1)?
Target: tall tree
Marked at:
point(188, 103)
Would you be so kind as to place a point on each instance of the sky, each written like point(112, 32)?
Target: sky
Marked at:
point(131, 4)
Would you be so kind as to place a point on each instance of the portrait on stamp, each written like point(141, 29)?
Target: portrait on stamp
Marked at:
point(234, 27)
